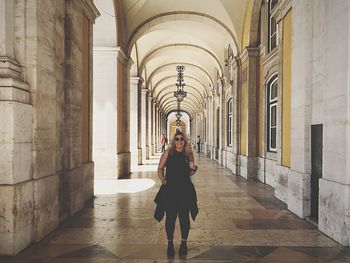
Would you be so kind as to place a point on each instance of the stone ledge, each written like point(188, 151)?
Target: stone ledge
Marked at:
point(14, 94)
point(10, 68)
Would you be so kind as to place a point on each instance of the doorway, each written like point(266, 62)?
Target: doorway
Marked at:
point(316, 167)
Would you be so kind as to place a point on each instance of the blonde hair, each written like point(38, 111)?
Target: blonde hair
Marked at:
point(187, 147)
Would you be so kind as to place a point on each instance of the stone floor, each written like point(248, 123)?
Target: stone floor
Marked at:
point(238, 221)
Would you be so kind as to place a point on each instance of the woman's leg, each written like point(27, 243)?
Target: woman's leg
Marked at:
point(170, 227)
point(170, 223)
point(185, 229)
point(184, 218)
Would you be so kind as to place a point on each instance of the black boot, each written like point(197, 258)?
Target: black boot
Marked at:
point(170, 251)
point(183, 248)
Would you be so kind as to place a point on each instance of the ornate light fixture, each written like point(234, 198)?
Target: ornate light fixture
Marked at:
point(180, 94)
point(178, 114)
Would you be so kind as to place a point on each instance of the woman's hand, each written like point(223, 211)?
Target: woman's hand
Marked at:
point(192, 166)
point(163, 181)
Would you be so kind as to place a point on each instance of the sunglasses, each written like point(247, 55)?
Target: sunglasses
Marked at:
point(179, 139)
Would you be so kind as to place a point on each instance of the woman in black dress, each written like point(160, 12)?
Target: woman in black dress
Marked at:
point(177, 195)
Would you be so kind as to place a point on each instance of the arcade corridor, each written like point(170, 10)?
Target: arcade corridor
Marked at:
point(92, 90)
point(239, 221)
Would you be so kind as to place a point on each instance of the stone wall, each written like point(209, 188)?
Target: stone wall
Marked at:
point(42, 178)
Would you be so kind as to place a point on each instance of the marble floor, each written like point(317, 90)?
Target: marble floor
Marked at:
point(238, 221)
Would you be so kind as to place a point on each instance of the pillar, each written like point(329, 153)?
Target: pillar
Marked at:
point(299, 177)
point(16, 133)
point(134, 121)
point(105, 112)
point(140, 131)
point(123, 116)
point(250, 58)
point(144, 124)
point(149, 127)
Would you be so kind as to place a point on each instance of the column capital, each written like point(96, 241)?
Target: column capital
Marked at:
point(134, 80)
point(249, 52)
point(144, 91)
point(121, 55)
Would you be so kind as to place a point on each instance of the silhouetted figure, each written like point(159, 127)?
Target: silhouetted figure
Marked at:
point(198, 144)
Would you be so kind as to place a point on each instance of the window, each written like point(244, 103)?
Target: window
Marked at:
point(229, 122)
point(229, 62)
point(272, 26)
point(272, 114)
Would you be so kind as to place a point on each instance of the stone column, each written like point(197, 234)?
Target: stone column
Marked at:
point(213, 126)
point(16, 115)
point(236, 113)
point(299, 177)
point(149, 127)
point(123, 116)
point(250, 56)
point(140, 131)
point(209, 124)
point(134, 121)
point(223, 136)
point(153, 123)
point(144, 125)
point(331, 74)
point(105, 112)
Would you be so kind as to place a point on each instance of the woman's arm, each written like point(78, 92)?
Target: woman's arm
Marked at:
point(193, 167)
point(161, 166)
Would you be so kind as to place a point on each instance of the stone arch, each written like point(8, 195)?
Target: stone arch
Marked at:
point(153, 53)
point(180, 15)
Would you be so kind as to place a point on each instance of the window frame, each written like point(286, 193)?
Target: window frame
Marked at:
point(272, 103)
point(270, 19)
point(229, 119)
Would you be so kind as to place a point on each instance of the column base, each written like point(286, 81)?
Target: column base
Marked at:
point(299, 193)
point(334, 207)
point(16, 221)
point(147, 152)
point(139, 154)
point(248, 167)
point(76, 187)
point(123, 165)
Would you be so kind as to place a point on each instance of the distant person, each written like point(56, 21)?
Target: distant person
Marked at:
point(177, 195)
point(163, 142)
point(198, 144)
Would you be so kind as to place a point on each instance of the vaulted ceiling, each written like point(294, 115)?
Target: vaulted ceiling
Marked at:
point(161, 34)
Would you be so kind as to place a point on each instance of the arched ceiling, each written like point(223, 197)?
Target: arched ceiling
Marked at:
point(161, 35)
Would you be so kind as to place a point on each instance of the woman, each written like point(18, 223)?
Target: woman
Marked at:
point(177, 196)
point(163, 141)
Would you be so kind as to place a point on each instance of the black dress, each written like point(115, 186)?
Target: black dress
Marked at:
point(179, 193)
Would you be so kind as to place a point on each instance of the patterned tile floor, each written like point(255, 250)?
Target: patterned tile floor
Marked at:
point(238, 221)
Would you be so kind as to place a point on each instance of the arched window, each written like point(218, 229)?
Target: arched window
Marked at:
point(272, 28)
point(272, 98)
point(229, 122)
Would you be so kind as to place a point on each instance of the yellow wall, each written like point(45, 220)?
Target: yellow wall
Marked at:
point(85, 104)
point(247, 22)
point(244, 109)
point(286, 88)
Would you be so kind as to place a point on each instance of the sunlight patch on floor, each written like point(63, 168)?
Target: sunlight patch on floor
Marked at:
point(109, 187)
